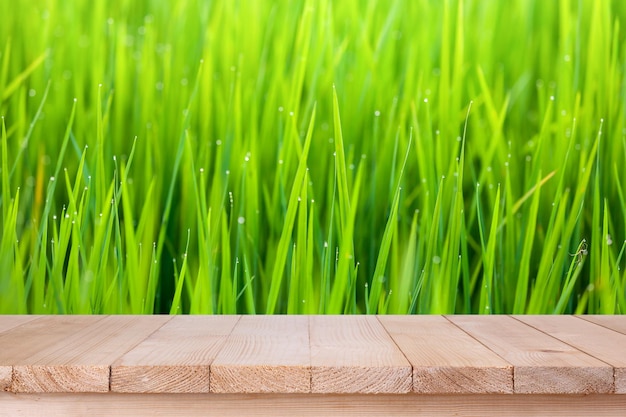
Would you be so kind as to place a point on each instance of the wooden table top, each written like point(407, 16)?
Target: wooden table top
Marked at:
point(314, 354)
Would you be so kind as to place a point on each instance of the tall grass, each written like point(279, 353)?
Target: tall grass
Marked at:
point(313, 156)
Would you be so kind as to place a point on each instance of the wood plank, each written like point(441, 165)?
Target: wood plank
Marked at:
point(542, 364)
point(309, 405)
point(600, 342)
point(617, 323)
point(268, 354)
point(8, 322)
point(18, 343)
point(355, 354)
point(80, 362)
point(445, 359)
point(174, 359)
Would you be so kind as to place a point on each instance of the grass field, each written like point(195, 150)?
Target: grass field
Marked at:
point(350, 156)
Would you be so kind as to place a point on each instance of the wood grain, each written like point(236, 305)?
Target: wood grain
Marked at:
point(600, 342)
point(9, 322)
point(24, 341)
point(174, 359)
point(354, 354)
point(264, 354)
point(74, 354)
point(6, 373)
point(542, 364)
point(445, 359)
point(617, 323)
point(309, 405)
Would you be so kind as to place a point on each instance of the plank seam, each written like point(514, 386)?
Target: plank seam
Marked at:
point(513, 367)
point(217, 353)
point(170, 318)
point(568, 344)
point(400, 350)
point(572, 346)
point(599, 324)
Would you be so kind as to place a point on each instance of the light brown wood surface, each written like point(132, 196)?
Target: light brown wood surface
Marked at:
point(9, 321)
point(447, 360)
point(309, 405)
point(268, 354)
point(617, 323)
point(176, 358)
point(79, 361)
point(542, 364)
point(600, 342)
point(26, 342)
point(355, 354)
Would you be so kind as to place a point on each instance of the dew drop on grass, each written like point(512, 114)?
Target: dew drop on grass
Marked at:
point(377, 113)
point(280, 109)
point(32, 92)
point(425, 100)
point(436, 260)
point(51, 178)
point(218, 142)
point(551, 98)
